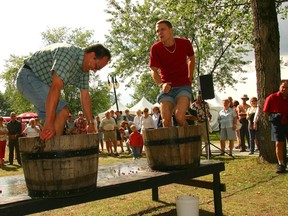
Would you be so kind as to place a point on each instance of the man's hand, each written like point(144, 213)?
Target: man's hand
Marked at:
point(166, 87)
point(48, 132)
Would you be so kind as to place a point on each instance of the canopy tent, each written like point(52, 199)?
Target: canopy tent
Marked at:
point(143, 103)
point(114, 107)
point(215, 106)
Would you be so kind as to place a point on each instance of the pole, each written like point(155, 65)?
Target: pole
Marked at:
point(115, 95)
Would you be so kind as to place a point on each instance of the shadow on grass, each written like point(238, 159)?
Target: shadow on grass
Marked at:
point(171, 212)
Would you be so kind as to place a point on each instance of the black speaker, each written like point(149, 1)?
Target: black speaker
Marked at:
point(206, 86)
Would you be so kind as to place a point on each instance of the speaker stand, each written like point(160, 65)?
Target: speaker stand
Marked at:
point(208, 145)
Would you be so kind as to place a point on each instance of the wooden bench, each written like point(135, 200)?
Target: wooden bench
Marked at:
point(118, 179)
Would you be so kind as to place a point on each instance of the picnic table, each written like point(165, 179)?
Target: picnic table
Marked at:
point(114, 180)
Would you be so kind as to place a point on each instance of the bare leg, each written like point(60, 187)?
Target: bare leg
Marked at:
point(115, 146)
point(102, 145)
point(109, 147)
point(60, 121)
point(231, 146)
point(222, 143)
point(181, 108)
point(279, 152)
point(166, 113)
point(238, 138)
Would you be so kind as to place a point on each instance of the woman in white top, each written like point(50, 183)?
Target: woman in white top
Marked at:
point(32, 130)
point(137, 120)
point(146, 120)
point(252, 124)
point(3, 140)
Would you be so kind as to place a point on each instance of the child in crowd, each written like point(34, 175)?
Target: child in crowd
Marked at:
point(136, 141)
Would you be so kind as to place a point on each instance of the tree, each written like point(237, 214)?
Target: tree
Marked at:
point(219, 30)
point(267, 57)
point(14, 100)
point(79, 37)
point(4, 106)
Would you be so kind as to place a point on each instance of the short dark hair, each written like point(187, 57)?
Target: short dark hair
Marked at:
point(168, 23)
point(99, 50)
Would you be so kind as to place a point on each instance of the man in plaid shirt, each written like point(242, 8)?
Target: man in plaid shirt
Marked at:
point(48, 71)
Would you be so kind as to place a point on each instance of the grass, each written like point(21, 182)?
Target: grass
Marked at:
point(253, 188)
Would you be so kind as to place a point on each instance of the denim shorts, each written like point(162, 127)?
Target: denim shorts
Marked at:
point(35, 91)
point(174, 93)
point(279, 132)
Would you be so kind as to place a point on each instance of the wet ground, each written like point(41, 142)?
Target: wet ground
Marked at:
point(11, 186)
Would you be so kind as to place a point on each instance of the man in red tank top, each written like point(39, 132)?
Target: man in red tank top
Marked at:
point(172, 65)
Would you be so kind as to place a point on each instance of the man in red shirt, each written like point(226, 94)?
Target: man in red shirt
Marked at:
point(276, 105)
point(172, 65)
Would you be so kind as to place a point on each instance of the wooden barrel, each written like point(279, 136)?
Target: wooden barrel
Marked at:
point(61, 167)
point(173, 148)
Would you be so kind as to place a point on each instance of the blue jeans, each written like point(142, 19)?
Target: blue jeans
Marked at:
point(244, 132)
point(135, 151)
point(35, 91)
point(253, 134)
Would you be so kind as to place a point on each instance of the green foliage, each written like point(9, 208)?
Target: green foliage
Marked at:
point(146, 89)
point(220, 31)
point(13, 99)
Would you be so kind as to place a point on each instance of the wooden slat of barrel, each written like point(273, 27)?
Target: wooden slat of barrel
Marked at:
point(67, 166)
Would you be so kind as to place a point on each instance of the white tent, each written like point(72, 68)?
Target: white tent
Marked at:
point(143, 103)
point(215, 106)
point(114, 107)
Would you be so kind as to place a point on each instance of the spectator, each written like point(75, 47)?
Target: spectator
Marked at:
point(242, 113)
point(14, 132)
point(127, 117)
point(201, 108)
point(228, 120)
point(137, 120)
point(146, 123)
point(136, 142)
point(237, 131)
point(230, 101)
point(146, 120)
point(37, 121)
point(276, 106)
point(100, 133)
point(119, 118)
point(252, 125)
point(156, 116)
point(23, 125)
point(32, 130)
point(81, 124)
point(3, 140)
point(70, 126)
point(172, 65)
point(108, 127)
point(125, 134)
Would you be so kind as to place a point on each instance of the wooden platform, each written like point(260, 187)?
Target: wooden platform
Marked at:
point(118, 179)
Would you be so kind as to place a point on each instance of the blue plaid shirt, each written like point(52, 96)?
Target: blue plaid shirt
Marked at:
point(65, 60)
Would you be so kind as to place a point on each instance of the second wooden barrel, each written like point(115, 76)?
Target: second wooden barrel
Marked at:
point(173, 148)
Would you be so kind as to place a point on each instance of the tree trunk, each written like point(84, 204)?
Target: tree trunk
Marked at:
point(267, 57)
